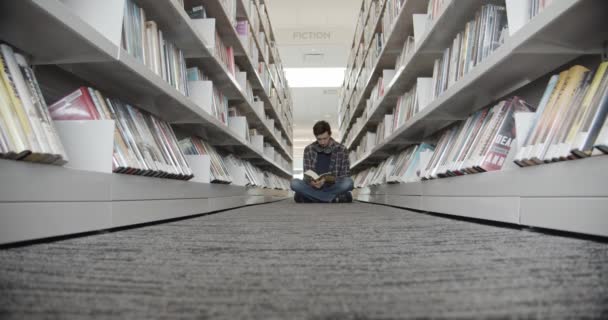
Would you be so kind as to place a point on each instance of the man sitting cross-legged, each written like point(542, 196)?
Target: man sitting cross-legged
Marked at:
point(325, 156)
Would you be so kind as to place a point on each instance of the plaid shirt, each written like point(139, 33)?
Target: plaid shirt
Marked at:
point(339, 163)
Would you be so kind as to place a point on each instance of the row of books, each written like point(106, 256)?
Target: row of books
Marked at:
point(26, 129)
point(197, 146)
point(219, 105)
point(237, 121)
point(264, 18)
point(244, 30)
point(408, 48)
point(403, 167)
point(391, 12)
point(226, 56)
point(370, 28)
point(230, 7)
point(144, 40)
point(569, 123)
point(481, 143)
point(435, 8)
point(470, 47)
point(406, 107)
point(570, 120)
point(358, 75)
point(223, 168)
point(536, 6)
point(143, 144)
point(481, 36)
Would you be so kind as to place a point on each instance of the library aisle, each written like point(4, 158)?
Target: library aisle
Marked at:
point(291, 261)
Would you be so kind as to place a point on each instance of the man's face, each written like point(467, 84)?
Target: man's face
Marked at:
point(323, 139)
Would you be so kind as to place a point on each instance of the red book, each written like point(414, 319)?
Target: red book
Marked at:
point(503, 138)
point(78, 105)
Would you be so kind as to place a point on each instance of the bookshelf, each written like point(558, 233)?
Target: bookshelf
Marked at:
point(536, 196)
point(229, 35)
point(548, 196)
point(65, 40)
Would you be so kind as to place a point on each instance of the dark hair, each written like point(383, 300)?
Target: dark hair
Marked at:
point(321, 127)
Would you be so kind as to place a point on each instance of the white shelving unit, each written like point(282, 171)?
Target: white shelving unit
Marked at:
point(569, 196)
point(230, 37)
point(39, 201)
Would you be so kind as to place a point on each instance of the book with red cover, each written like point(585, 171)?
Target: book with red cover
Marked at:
point(78, 105)
point(503, 138)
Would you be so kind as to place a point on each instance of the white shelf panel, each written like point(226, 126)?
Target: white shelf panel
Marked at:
point(60, 184)
point(125, 213)
point(60, 201)
point(501, 209)
point(412, 202)
point(534, 49)
point(568, 196)
point(22, 221)
point(561, 179)
point(33, 182)
point(581, 215)
point(125, 188)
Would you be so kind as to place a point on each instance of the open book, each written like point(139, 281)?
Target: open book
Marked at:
point(328, 176)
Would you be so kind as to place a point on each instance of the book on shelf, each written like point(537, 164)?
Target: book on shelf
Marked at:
point(480, 37)
point(481, 143)
point(435, 8)
point(569, 117)
point(519, 12)
point(230, 7)
point(406, 50)
point(197, 146)
point(225, 55)
point(407, 106)
point(196, 74)
point(26, 129)
point(197, 12)
point(144, 40)
point(220, 105)
point(143, 144)
point(391, 12)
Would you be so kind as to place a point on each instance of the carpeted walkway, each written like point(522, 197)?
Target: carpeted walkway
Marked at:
point(289, 261)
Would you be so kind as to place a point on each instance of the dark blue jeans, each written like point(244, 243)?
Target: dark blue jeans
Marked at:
point(326, 194)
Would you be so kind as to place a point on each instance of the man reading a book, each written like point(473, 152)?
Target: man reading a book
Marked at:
point(326, 170)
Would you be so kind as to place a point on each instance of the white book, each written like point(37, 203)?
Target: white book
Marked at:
point(517, 14)
point(36, 139)
point(420, 27)
point(424, 87)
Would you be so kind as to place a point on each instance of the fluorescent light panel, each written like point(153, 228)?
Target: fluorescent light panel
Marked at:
point(315, 77)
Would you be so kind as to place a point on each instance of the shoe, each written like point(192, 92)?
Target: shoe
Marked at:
point(343, 198)
point(298, 198)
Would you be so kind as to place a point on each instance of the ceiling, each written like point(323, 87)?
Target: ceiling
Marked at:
point(313, 33)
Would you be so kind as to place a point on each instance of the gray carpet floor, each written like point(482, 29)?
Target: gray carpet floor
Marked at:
point(297, 261)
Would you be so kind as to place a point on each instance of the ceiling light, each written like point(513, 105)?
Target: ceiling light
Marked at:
point(315, 77)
